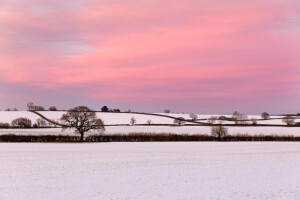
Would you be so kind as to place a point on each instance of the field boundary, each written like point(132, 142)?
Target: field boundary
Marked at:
point(148, 137)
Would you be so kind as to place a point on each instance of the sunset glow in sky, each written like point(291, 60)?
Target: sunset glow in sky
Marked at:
point(203, 56)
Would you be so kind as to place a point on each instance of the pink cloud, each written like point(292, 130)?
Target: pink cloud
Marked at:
point(137, 47)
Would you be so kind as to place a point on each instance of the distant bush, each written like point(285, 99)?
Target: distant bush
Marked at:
point(167, 111)
point(104, 109)
point(31, 106)
point(41, 138)
point(179, 121)
point(265, 115)
point(254, 121)
point(240, 118)
point(4, 125)
point(193, 117)
point(114, 110)
point(21, 123)
point(212, 119)
point(53, 108)
point(289, 120)
point(223, 118)
point(132, 121)
point(148, 121)
point(8, 109)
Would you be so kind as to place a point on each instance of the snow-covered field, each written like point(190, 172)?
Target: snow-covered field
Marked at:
point(124, 118)
point(150, 171)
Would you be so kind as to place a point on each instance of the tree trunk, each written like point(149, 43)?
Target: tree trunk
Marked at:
point(81, 137)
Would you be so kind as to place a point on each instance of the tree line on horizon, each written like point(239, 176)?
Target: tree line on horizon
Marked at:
point(83, 120)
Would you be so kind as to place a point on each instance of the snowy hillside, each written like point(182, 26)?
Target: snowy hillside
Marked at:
point(124, 118)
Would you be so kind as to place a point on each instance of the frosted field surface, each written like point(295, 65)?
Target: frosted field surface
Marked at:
point(150, 171)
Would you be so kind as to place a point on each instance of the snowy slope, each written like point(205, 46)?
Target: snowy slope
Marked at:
point(124, 118)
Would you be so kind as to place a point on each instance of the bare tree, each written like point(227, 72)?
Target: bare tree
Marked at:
point(83, 120)
point(265, 115)
point(240, 118)
point(30, 105)
point(193, 117)
point(219, 132)
point(149, 121)
point(179, 121)
point(41, 122)
point(21, 122)
point(289, 120)
point(132, 121)
point(212, 119)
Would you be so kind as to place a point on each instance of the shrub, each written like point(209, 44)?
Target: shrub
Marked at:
point(149, 121)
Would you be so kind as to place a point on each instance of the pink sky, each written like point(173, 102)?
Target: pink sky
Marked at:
point(204, 56)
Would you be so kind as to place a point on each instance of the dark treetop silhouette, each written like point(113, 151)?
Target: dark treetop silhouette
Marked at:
point(83, 120)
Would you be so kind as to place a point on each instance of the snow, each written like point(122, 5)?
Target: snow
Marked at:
point(124, 118)
point(227, 171)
